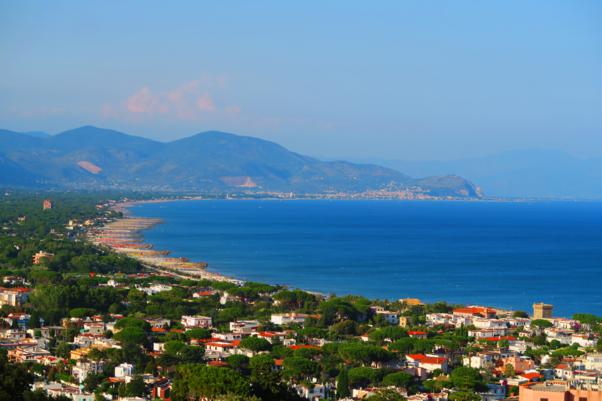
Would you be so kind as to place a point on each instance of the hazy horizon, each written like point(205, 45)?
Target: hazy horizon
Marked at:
point(408, 81)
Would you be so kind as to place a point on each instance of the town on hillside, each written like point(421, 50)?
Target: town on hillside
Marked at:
point(83, 319)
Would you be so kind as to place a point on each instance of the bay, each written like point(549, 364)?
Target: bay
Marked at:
point(503, 254)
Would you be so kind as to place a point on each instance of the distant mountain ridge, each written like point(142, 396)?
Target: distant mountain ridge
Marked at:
point(538, 173)
point(95, 158)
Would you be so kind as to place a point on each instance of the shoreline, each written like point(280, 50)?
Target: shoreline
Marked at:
point(181, 266)
point(124, 236)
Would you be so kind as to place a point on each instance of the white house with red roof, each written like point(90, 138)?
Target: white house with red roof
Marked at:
point(531, 376)
point(217, 345)
point(418, 334)
point(228, 336)
point(429, 363)
point(271, 336)
point(14, 296)
point(563, 371)
point(95, 328)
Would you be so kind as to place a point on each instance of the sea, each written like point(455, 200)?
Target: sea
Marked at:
point(499, 254)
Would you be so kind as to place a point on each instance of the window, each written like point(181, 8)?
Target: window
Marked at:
point(543, 399)
point(582, 398)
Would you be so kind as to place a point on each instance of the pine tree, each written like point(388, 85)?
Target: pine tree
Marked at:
point(343, 384)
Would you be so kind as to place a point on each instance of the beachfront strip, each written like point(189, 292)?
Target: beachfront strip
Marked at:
point(166, 333)
point(123, 236)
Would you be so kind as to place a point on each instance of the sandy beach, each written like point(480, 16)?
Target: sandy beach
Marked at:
point(124, 236)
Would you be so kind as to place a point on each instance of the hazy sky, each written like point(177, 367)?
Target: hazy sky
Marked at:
point(400, 79)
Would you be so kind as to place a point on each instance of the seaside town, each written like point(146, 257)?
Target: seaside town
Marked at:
point(90, 312)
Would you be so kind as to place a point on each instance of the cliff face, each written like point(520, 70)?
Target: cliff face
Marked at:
point(91, 157)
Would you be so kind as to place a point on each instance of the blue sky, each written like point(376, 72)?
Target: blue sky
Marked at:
point(399, 79)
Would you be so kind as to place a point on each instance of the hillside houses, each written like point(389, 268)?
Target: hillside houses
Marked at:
point(196, 322)
point(15, 296)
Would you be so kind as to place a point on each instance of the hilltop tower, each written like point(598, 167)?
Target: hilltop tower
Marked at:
point(542, 311)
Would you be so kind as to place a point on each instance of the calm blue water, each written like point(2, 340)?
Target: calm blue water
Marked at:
point(499, 254)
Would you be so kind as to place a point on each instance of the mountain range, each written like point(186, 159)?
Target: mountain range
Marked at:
point(95, 158)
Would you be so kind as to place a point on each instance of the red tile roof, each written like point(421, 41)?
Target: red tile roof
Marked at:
point(475, 310)
point(532, 375)
point(509, 338)
point(432, 360)
point(217, 363)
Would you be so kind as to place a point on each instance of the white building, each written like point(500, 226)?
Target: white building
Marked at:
point(155, 289)
point(562, 336)
point(244, 326)
point(124, 370)
point(288, 318)
point(315, 392)
point(82, 369)
point(388, 316)
point(482, 360)
point(584, 340)
point(487, 333)
point(95, 328)
point(195, 322)
point(56, 389)
point(484, 323)
point(593, 362)
point(228, 336)
point(13, 296)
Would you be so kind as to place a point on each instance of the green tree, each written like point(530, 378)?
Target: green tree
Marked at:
point(344, 328)
point(364, 376)
point(335, 310)
point(364, 353)
point(198, 334)
point(587, 318)
point(509, 370)
point(135, 388)
point(520, 314)
point(343, 384)
point(133, 322)
point(466, 379)
point(14, 379)
point(267, 382)
point(387, 395)
point(193, 382)
point(63, 349)
point(541, 323)
point(391, 333)
point(132, 335)
point(92, 381)
point(398, 379)
point(297, 368)
point(464, 396)
point(238, 362)
point(255, 344)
